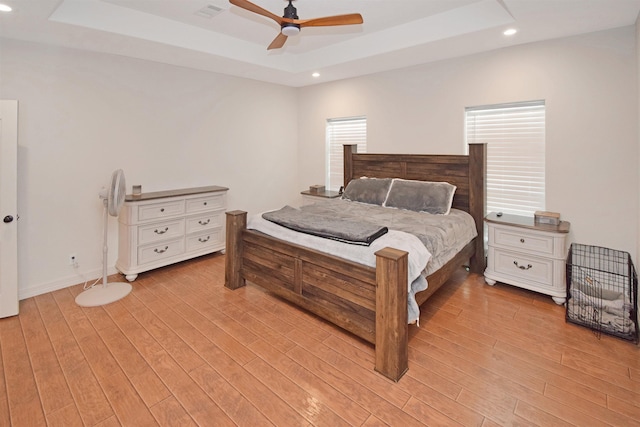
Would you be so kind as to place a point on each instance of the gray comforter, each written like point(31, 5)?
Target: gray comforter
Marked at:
point(442, 235)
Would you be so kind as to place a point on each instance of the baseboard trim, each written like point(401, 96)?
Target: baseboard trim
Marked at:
point(89, 276)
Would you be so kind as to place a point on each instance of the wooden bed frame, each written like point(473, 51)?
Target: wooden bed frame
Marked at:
point(369, 302)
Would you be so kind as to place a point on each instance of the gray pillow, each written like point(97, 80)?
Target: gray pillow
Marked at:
point(367, 190)
point(421, 196)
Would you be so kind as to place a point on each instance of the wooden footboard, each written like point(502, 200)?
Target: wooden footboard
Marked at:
point(369, 302)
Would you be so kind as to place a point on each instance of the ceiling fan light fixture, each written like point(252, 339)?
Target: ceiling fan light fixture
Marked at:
point(290, 30)
point(290, 24)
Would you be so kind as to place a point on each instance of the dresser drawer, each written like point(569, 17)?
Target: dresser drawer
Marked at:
point(522, 240)
point(160, 231)
point(199, 241)
point(210, 202)
point(160, 210)
point(151, 253)
point(205, 222)
point(523, 267)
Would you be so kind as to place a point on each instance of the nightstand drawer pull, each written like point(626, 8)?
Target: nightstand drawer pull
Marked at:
point(201, 240)
point(521, 240)
point(161, 231)
point(522, 267)
point(204, 222)
point(161, 251)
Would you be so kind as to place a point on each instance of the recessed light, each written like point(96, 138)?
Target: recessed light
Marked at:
point(316, 74)
point(510, 32)
point(5, 8)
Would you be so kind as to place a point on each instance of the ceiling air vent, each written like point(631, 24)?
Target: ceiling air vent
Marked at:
point(209, 11)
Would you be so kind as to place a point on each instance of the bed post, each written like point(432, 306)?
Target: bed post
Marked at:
point(392, 330)
point(477, 200)
point(236, 224)
point(347, 151)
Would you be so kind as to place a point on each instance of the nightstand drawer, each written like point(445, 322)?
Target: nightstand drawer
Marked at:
point(522, 240)
point(524, 267)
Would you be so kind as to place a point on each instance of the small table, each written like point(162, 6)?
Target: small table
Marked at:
point(309, 197)
point(526, 254)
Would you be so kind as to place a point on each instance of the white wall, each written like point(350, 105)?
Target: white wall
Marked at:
point(82, 115)
point(589, 83)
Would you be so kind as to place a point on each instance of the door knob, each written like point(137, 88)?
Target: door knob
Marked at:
point(8, 219)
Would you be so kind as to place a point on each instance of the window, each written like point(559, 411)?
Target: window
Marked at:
point(515, 137)
point(349, 130)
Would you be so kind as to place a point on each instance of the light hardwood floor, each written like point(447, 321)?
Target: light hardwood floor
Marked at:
point(183, 350)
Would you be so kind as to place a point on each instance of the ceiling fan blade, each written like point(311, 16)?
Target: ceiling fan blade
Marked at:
point(350, 19)
point(278, 42)
point(247, 5)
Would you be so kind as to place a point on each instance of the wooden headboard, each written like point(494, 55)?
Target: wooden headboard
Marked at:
point(466, 172)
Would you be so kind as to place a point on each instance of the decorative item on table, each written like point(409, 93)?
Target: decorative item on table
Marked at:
point(545, 217)
point(316, 188)
point(136, 190)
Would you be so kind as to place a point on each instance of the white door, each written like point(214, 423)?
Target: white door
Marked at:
point(8, 208)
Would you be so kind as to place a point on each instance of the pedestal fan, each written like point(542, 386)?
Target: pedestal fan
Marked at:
point(113, 198)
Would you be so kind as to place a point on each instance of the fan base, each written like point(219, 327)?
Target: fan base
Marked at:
point(103, 294)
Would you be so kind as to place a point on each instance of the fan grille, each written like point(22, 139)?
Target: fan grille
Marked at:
point(117, 191)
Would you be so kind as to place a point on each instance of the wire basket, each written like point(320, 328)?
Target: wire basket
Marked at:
point(602, 291)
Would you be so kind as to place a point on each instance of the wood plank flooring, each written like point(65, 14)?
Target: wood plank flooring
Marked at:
point(182, 350)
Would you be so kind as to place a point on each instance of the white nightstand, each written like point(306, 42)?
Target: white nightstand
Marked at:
point(528, 255)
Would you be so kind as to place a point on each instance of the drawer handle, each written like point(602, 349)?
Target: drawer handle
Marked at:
point(205, 203)
point(521, 240)
point(161, 251)
point(201, 240)
point(522, 267)
point(161, 209)
point(161, 231)
point(204, 222)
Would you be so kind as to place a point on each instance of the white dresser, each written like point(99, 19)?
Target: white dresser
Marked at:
point(526, 254)
point(165, 227)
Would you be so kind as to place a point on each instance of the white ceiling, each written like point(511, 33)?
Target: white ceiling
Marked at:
point(395, 33)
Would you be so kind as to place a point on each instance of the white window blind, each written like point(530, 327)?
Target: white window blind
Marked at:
point(341, 131)
point(515, 137)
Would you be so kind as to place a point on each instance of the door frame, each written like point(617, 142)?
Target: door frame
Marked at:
point(8, 206)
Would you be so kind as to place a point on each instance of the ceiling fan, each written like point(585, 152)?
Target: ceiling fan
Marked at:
point(290, 24)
